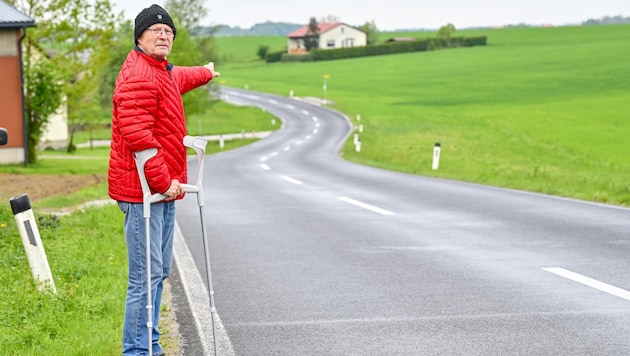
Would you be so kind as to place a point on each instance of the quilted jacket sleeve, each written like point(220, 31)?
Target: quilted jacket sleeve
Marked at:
point(189, 78)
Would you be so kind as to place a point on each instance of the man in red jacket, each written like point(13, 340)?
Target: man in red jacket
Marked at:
point(149, 113)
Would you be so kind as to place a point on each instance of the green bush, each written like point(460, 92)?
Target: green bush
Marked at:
point(274, 56)
point(306, 57)
point(395, 47)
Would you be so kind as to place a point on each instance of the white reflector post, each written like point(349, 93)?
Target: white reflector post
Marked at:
point(436, 156)
point(32, 242)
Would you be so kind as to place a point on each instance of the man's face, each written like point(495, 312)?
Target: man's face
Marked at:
point(157, 41)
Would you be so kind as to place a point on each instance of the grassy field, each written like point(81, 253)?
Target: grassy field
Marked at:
point(540, 109)
point(244, 49)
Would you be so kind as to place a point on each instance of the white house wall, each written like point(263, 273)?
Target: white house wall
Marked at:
point(342, 36)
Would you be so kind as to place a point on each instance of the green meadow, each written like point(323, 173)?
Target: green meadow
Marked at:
point(538, 109)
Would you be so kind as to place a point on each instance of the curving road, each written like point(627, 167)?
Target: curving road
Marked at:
point(313, 255)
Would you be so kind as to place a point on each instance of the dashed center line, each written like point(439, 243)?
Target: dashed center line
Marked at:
point(366, 206)
point(291, 180)
point(590, 282)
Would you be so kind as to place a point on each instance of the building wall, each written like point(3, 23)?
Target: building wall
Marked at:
point(342, 36)
point(11, 97)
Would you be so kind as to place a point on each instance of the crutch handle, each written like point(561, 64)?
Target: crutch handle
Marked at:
point(199, 145)
point(142, 157)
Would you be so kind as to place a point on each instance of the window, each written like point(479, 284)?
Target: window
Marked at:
point(330, 44)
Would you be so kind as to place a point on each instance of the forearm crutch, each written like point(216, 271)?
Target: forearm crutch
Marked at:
point(199, 145)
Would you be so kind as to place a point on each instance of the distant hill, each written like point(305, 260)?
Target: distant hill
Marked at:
point(262, 29)
point(608, 20)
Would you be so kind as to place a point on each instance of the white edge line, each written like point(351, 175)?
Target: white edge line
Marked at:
point(366, 206)
point(197, 295)
point(587, 281)
point(265, 167)
point(291, 180)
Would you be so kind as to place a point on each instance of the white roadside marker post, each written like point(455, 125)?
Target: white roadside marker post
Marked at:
point(436, 156)
point(27, 226)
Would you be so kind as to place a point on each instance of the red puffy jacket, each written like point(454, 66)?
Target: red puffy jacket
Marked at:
point(148, 112)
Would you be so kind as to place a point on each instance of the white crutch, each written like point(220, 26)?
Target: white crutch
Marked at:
point(199, 145)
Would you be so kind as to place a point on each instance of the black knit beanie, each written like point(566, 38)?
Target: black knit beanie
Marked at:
point(149, 17)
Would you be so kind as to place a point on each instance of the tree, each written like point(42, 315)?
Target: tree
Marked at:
point(371, 31)
point(43, 96)
point(330, 19)
point(262, 51)
point(191, 51)
point(187, 13)
point(76, 34)
point(311, 39)
point(446, 32)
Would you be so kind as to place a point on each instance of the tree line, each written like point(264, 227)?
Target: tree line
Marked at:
point(73, 55)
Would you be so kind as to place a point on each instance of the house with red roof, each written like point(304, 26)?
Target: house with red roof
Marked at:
point(331, 35)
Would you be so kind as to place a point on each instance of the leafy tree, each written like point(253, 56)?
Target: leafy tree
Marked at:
point(262, 51)
point(311, 39)
point(194, 51)
point(446, 32)
point(189, 50)
point(77, 34)
point(330, 19)
point(187, 13)
point(371, 31)
point(121, 45)
point(43, 96)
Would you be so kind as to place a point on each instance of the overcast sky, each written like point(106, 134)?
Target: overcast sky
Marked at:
point(400, 14)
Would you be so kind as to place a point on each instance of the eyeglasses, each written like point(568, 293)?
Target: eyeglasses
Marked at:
point(158, 32)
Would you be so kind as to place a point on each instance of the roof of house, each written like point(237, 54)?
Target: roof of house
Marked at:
point(323, 27)
point(10, 17)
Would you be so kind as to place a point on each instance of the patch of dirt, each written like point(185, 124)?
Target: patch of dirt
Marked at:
point(38, 187)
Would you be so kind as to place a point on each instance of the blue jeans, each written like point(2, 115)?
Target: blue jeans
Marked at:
point(135, 333)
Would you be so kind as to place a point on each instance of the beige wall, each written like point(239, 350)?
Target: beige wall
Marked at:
point(342, 36)
point(8, 42)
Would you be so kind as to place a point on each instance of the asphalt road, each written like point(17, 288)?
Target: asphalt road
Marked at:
point(313, 255)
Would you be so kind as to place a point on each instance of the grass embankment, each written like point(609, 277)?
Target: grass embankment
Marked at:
point(539, 109)
point(86, 251)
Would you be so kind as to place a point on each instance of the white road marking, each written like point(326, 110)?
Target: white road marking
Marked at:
point(288, 148)
point(366, 206)
point(308, 137)
point(315, 118)
point(197, 295)
point(315, 131)
point(292, 180)
point(265, 167)
point(263, 159)
point(304, 112)
point(273, 101)
point(587, 281)
point(290, 107)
